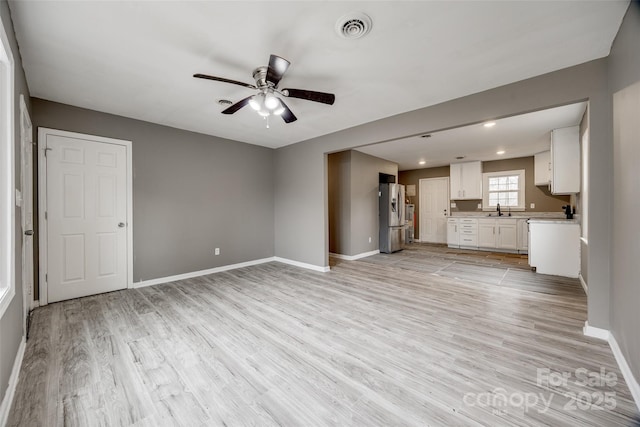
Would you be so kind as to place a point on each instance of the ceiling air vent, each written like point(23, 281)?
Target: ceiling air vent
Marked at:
point(224, 102)
point(353, 25)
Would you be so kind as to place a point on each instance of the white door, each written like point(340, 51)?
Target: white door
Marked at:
point(86, 216)
point(434, 209)
point(26, 187)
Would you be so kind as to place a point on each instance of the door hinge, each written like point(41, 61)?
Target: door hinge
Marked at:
point(46, 278)
point(45, 215)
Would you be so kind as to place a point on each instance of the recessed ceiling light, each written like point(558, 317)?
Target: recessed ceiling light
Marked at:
point(425, 136)
point(500, 153)
point(422, 162)
point(489, 124)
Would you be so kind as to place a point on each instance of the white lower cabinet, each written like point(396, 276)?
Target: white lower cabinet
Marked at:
point(494, 233)
point(487, 233)
point(523, 236)
point(555, 247)
point(507, 237)
point(462, 233)
point(453, 233)
point(468, 232)
point(502, 234)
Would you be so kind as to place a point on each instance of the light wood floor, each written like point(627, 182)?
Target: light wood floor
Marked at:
point(420, 337)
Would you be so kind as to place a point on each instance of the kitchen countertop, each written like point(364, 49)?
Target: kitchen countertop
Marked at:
point(553, 221)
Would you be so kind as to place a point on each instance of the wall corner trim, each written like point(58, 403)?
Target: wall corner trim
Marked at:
point(302, 264)
point(604, 334)
point(354, 257)
point(584, 286)
point(5, 407)
point(632, 382)
point(591, 331)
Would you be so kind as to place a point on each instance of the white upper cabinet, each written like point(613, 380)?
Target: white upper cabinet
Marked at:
point(542, 168)
point(466, 181)
point(565, 160)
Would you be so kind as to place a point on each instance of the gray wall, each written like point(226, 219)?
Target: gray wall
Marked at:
point(191, 192)
point(365, 221)
point(339, 179)
point(624, 73)
point(12, 320)
point(353, 201)
point(301, 171)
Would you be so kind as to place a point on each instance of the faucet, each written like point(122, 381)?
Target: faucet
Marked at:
point(499, 213)
point(568, 211)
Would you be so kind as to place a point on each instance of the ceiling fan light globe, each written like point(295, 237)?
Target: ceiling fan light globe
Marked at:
point(254, 103)
point(271, 102)
point(264, 113)
point(278, 111)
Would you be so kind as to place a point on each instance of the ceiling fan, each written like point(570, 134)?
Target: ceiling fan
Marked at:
point(267, 102)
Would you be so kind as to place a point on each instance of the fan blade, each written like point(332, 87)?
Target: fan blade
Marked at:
point(287, 115)
point(309, 95)
point(277, 67)
point(238, 105)
point(222, 79)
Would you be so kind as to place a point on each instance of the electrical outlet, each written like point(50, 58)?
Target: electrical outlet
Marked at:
point(369, 239)
point(533, 205)
point(217, 251)
point(479, 205)
point(453, 204)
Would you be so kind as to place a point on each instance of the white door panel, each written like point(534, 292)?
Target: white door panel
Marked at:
point(86, 201)
point(434, 204)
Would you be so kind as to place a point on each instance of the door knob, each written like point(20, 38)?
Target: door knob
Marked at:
point(121, 224)
point(28, 233)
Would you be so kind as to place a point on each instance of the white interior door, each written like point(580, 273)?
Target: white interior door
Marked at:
point(86, 216)
point(434, 209)
point(26, 187)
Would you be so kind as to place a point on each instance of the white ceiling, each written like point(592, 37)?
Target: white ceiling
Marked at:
point(137, 58)
point(518, 136)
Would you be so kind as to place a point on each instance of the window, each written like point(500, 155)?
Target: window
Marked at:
point(7, 212)
point(505, 188)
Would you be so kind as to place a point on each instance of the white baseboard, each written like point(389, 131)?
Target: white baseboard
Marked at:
point(151, 282)
point(593, 332)
point(160, 280)
point(632, 383)
point(583, 283)
point(354, 257)
point(302, 264)
point(34, 304)
point(5, 407)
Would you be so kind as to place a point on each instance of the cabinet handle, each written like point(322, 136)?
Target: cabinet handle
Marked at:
point(494, 230)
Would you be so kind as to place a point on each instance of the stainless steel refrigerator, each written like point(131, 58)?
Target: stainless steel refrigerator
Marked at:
point(392, 222)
